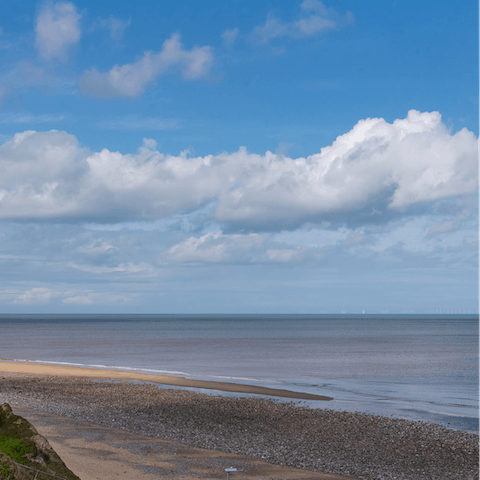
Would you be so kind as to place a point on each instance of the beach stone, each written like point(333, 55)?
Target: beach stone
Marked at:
point(283, 433)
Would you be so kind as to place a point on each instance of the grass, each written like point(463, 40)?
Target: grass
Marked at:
point(19, 442)
point(14, 448)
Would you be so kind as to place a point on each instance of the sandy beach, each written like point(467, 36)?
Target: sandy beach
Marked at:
point(257, 429)
point(68, 371)
point(96, 452)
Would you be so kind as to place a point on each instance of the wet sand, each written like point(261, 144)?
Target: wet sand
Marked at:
point(68, 371)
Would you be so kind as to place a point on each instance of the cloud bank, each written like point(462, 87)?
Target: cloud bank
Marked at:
point(376, 167)
point(131, 79)
point(57, 28)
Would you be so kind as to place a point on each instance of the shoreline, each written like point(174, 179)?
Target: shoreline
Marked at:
point(174, 381)
point(169, 379)
point(314, 439)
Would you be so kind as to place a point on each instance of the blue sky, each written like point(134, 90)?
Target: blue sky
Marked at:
point(239, 157)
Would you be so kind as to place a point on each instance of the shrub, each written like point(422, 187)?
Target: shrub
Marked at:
point(13, 447)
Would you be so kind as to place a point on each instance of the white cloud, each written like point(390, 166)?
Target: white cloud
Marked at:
point(36, 167)
point(96, 298)
point(273, 28)
point(229, 36)
point(123, 268)
point(284, 255)
point(57, 28)
point(215, 247)
point(31, 297)
point(315, 6)
point(315, 18)
point(79, 300)
point(99, 246)
point(313, 24)
point(376, 168)
point(131, 80)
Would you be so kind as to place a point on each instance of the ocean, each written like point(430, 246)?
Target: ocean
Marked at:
point(418, 367)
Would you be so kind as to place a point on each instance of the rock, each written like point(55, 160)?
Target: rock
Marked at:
point(40, 459)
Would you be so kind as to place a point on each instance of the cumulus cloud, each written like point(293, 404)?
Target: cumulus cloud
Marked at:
point(375, 168)
point(57, 28)
point(131, 80)
point(315, 18)
point(35, 169)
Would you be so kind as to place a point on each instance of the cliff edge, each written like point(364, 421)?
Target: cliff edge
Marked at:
point(21, 446)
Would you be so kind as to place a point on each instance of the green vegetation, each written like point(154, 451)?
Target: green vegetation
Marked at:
point(14, 426)
point(7, 472)
point(14, 448)
point(21, 443)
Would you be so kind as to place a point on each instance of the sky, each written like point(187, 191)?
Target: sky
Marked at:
point(239, 156)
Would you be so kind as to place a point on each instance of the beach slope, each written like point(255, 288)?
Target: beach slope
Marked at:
point(68, 371)
point(281, 433)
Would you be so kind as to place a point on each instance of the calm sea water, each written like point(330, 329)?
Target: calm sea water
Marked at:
point(421, 367)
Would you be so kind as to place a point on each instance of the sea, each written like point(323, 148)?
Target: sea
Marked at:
point(416, 367)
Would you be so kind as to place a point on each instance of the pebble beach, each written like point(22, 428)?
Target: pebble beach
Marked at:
point(352, 444)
